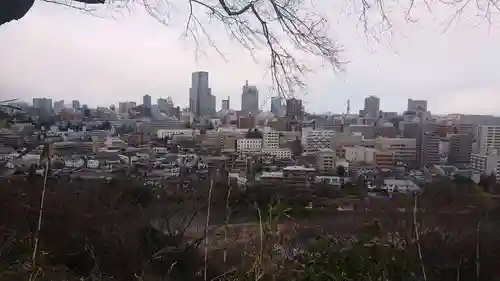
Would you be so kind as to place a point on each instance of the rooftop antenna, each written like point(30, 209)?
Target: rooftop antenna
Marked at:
point(348, 107)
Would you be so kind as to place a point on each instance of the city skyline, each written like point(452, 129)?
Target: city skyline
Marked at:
point(454, 71)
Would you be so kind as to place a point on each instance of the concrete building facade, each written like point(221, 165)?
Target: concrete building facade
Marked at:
point(249, 100)
point(488, 138)
point(201, 100)
point(460, 149)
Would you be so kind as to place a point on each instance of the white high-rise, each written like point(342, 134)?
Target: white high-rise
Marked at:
point(488, 138)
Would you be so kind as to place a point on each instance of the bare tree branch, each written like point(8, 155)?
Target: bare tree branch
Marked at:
point(279, 26)
point(285, 29)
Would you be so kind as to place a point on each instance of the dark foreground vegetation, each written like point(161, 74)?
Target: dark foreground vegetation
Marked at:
point(121, 230)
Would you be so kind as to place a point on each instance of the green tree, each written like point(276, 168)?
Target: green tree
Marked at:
point(254, 134)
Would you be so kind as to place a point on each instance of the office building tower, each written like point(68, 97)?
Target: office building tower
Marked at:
point(249, 100)
point(43, 105)
point(277, 106)
point(460, 149)
point(294, 109)
point(166, 106)
point(428, 145)
point(225, 105)
point(372, 107)
point(427, 139)
point(201, 100)
point(59, 106)
point(417, 105)
point(212, 108)
point(75, 104)
point(146, 103)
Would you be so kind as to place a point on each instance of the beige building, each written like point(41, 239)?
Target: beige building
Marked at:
point(405, 150)
point(326, 160)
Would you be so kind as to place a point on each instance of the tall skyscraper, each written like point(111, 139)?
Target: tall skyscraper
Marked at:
point(146, 103)
point(460, 149)
point(427, 143)
point(166, 106)
point(294, 109)
point(372, 107)
point(277, 106)
point(59, 106)
point(201, 100)
point(249, 100)
point(226, 105)
point(75, 104)
point(44, 105)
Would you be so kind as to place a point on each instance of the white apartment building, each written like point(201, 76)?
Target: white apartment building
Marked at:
point(486, 164)
point(245, 146)
point(488, 138)
point(360, 154)
point(271, 140)
point(314, 140)
point(162, 133)
point(279, 153)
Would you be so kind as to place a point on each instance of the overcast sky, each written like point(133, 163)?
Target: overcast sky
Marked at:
point(64, 54)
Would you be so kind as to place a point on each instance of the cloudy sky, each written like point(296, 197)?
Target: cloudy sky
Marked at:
point(64, 54)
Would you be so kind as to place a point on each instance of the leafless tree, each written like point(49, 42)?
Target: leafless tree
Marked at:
point(285, 29)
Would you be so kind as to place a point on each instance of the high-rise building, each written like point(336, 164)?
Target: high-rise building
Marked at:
point(428, 145)
point(372, 107)
point(460, 149)
point(249, 100)
point(124, 107)
point(225, 105)
point(75, 104)
point(488, 138)
point(294, 109)
point(417, 105)
point(201, 100)
point(166, 106)
point(44, 105)
point(146, 103)
point(277, 106)
point(486, 164)
point(59, 106)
